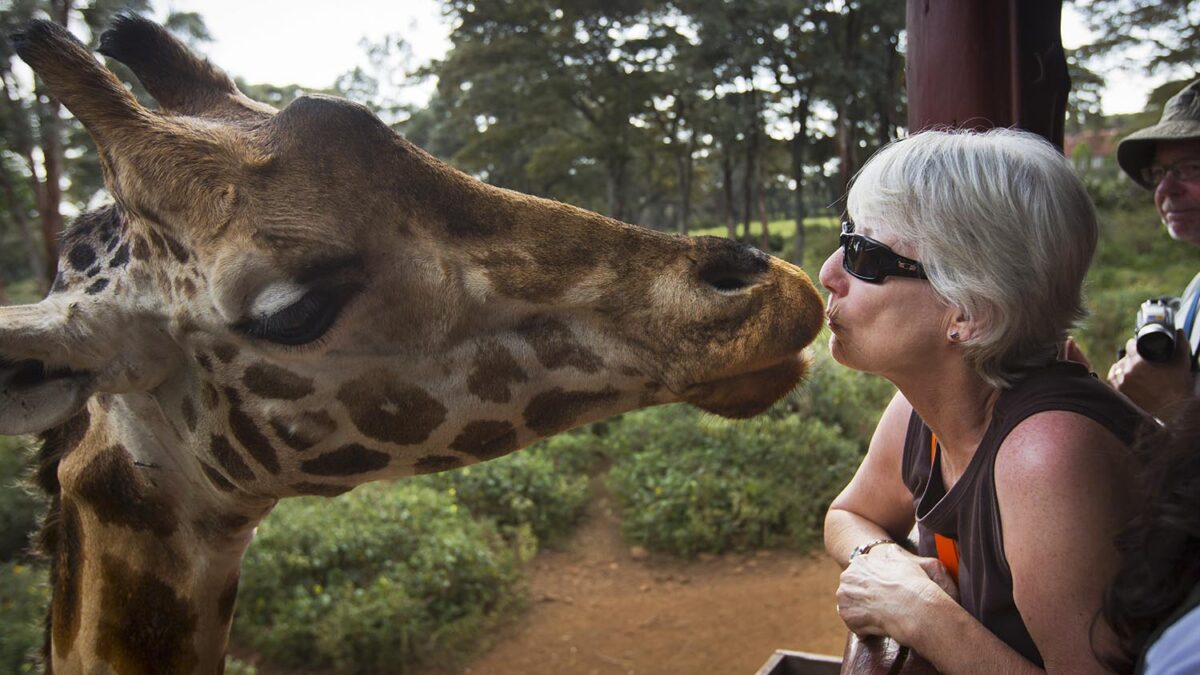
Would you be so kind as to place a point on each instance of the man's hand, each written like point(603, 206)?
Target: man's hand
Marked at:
point(1155, 387)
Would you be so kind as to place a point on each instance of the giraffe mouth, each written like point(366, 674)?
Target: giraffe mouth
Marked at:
point(34, 397)
point(748, 394)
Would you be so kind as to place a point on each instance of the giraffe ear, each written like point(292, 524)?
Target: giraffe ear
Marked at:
point(43, 376)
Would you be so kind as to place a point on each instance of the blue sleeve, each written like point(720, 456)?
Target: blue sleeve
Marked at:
point(1177, 651)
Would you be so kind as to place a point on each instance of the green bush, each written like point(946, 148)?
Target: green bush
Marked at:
point(542, 490)
point(380, 579)
point(842, 397)
point(24, 597)
point(687, 482)
point(19, 506)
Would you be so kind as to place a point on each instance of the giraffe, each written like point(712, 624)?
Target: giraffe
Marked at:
point(299, 301)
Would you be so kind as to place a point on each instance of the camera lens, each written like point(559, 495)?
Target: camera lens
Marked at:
point(1156, 344)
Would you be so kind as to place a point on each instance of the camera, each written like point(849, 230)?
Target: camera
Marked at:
point(1154, 333)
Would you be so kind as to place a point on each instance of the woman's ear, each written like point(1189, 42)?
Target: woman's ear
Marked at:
point(960, 327)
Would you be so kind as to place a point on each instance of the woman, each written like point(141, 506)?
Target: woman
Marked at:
point(1153, 603)
point(960, 272)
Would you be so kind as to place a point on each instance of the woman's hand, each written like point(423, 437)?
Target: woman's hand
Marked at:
point(887, 591)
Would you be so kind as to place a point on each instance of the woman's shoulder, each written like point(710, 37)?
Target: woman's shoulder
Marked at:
point(1068, 387)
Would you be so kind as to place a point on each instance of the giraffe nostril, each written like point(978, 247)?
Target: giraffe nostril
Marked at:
point(728, 283)
point(726, 278)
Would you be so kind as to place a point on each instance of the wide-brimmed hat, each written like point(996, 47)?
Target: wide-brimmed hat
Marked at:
point(1180, 122)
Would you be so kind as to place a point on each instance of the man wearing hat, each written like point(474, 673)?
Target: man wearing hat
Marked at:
point(1165, 158)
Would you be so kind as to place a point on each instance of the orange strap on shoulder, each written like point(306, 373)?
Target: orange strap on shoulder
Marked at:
point(947, 548)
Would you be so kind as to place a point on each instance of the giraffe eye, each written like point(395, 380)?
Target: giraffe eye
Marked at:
point(302, 322)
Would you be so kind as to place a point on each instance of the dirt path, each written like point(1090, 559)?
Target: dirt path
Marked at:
point(598, 611)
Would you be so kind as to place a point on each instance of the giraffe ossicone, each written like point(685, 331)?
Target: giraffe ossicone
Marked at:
point(299, 301)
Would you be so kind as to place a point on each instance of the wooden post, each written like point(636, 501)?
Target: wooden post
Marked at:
point(980, 64)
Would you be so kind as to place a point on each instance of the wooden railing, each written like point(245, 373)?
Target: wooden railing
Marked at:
point(863, 656)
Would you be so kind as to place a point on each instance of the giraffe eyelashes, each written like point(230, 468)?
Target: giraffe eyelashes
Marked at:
point(302, 322)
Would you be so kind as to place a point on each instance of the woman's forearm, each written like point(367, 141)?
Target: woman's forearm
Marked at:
point(946, 635)
point(845, 530)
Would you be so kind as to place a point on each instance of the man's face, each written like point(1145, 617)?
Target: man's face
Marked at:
point(1178, 202)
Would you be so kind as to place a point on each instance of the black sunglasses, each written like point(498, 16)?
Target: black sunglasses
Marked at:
point(872, 261)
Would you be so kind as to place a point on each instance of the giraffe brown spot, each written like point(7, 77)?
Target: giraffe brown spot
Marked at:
point(248, 434)
point(164, 243)
point(486, 439)
point(347, 461)
point(211, 398)
point(217, 479)
point(121, 257)
point(189, 288)
point(188, 409)
point(203, 361)
point(230, 460)
point(118, 495)
point(97, 286)
point(141, 250)
point(81, 256)
point(514, 276)
point(225, 352)
point(556, 410)
point(273, 382)
point(177, 250)
point(144, 626)
point(58, 442)
point(66, 570)
point(436, 464)
point(228, 600)
point(321, 489)
point(390, 411)
point(303, 432)
point(160, 244)
point(556, 347)
point(493, 371)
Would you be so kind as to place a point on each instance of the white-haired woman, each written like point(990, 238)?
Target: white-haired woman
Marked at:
point(959, 273)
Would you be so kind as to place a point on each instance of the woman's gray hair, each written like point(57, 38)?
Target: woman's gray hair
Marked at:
point(1004, 228)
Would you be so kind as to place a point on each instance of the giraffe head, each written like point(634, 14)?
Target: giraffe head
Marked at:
point(308, 301)
point(299, 301)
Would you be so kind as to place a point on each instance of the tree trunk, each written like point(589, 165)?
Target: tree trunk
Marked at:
point(36, 262)
point(52, 159)
point(845, 145)
point(727, 179)
point(748, 180)
point(686, 170)
point(798, 140)
point(52, 162)
point(761, 187)
point(616, 188)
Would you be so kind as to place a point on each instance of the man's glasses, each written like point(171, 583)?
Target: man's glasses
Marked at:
point(1187, 171)
point(873, 261)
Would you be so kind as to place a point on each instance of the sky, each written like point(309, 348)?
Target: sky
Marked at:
point(312, 42)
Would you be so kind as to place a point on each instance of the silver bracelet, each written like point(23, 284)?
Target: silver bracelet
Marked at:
point(866, 548)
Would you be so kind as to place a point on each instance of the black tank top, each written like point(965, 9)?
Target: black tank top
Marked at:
point(970, 513)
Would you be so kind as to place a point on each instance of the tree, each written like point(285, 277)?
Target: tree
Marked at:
point(1168, 29)
point(536, 77)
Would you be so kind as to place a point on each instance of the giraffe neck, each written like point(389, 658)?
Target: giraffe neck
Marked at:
point(145, 562)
